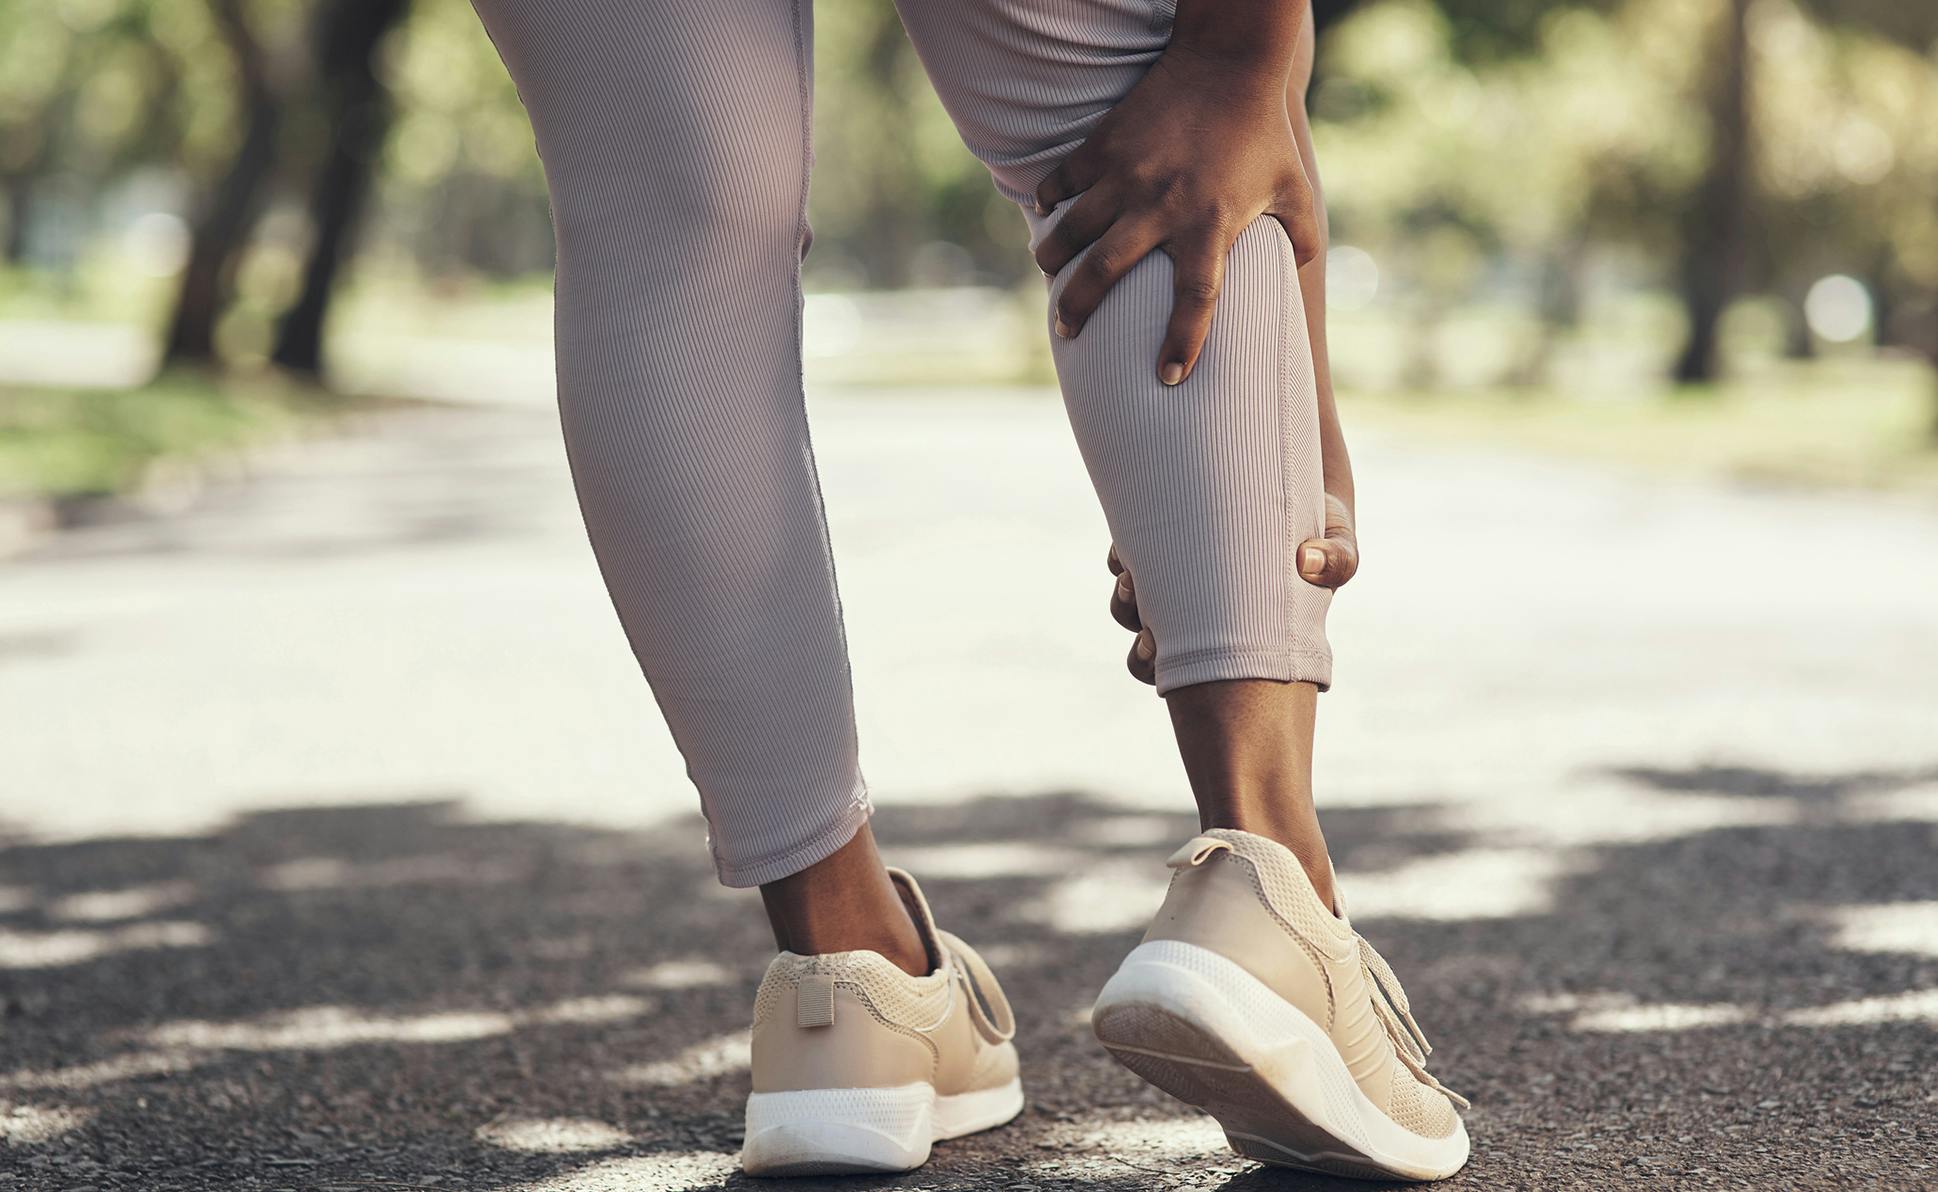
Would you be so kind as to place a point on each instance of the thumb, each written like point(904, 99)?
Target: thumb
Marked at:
point(1330, 561)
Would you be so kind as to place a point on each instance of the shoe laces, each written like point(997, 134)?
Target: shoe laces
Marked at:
point(1396, 1015)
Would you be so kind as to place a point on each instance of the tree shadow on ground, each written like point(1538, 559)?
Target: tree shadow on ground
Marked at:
point(385, 996)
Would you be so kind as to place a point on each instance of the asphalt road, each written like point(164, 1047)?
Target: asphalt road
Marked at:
point(342, 849)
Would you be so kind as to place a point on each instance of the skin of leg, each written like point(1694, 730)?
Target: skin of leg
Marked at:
point(845, 903)
point(674, 140)
point(1247, 749)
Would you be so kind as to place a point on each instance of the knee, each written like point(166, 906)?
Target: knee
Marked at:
point(682, 205)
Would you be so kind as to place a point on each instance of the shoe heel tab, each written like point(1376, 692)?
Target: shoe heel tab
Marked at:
point(814, 1001)
point(1196, 851)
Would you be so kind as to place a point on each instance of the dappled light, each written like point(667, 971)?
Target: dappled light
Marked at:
point(344, 849)
point(439, 1032)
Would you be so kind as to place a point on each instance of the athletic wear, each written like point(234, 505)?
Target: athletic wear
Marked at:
point(674, 135)
point(858, 1066)
point(1250, 999)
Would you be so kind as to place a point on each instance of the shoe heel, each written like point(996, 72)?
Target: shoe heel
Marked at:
point(838, 1131)
point(1203, 1030)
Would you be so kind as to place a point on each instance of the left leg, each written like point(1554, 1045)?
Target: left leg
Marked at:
point(1251, 996)
point(1210, 486)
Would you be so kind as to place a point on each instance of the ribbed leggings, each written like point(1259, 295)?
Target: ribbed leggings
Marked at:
point(675, 140)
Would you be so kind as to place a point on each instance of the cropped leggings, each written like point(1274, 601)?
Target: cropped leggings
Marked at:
point(675, 140)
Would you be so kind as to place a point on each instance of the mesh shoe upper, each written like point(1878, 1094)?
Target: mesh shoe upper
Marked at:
point(1248, 899)
point(855, 1020)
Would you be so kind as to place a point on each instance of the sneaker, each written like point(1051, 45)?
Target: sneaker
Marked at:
point(1251, 1000)
point(859, 1067)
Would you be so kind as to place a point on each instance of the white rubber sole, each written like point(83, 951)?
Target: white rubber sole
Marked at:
point(856, 1131)
point(1212, 1035)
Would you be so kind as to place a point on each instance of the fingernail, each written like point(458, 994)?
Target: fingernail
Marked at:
point(1063, 328)
point(1124, 588)
point(1312, 560)
point(1172, 373)
point(1146, 647)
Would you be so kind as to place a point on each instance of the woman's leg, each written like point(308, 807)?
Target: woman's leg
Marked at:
point(675, 142)
point(1251, 995)
point(1209, 486)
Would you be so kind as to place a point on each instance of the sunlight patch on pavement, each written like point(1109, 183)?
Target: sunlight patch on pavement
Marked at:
point(30, 1125)
point(1602, 809)
point(552, 1136)
point(1002, 955)
point(185, 1045)
point(324, 1028)
point(1132, 831)
point(1106, 1151)
point(1915, 1005)
point(692, 973)
point(54, 949)
point(86, 1076)
point(992, 859)
point(1911, 804)
point(1480, 883)
point(134, 902)
point(431, 869)
point(717, 1056)
point(1620, 1013)
point(1102, 897)
point(1910, 927)
point(681, 1171)
point(586, 1011)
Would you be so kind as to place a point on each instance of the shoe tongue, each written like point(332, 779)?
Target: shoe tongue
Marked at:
point(918, 910)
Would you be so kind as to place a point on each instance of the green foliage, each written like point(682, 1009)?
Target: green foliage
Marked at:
point(78, 443)
point(1530, 152)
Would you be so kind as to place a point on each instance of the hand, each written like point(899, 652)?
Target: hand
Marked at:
point(1197, 151)
point(1326, 562)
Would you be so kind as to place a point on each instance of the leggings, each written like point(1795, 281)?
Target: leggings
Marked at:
point(675, 140)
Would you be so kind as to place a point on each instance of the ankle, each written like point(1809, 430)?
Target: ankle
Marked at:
point(1300, 836)
point(845, 902)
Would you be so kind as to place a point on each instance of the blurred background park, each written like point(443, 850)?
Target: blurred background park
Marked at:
point(1703, 234)
point(342, 846)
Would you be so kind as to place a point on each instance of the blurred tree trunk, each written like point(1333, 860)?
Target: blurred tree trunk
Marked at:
point(19, 191)
point(358, 110)
point(1716, 226)
point(1798, 341)
point(230, 215)
point(896, 226)
point(1326, 12)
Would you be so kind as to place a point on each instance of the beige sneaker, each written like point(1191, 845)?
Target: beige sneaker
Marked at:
point(859, 1067)
point(1252, 1001)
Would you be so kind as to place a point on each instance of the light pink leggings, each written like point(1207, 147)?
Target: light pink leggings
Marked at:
point(674, 135)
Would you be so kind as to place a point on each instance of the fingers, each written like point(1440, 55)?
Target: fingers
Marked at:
point(1142, 660)
point(1108, 260)
point(1087, 219)
point(1123, 604)
point(1198, 277)
point(1073, 175)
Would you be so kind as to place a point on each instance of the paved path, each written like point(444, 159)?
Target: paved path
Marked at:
point(347, 847)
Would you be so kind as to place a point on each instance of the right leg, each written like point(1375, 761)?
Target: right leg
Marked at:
point(675, 144)
point(674, 136)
